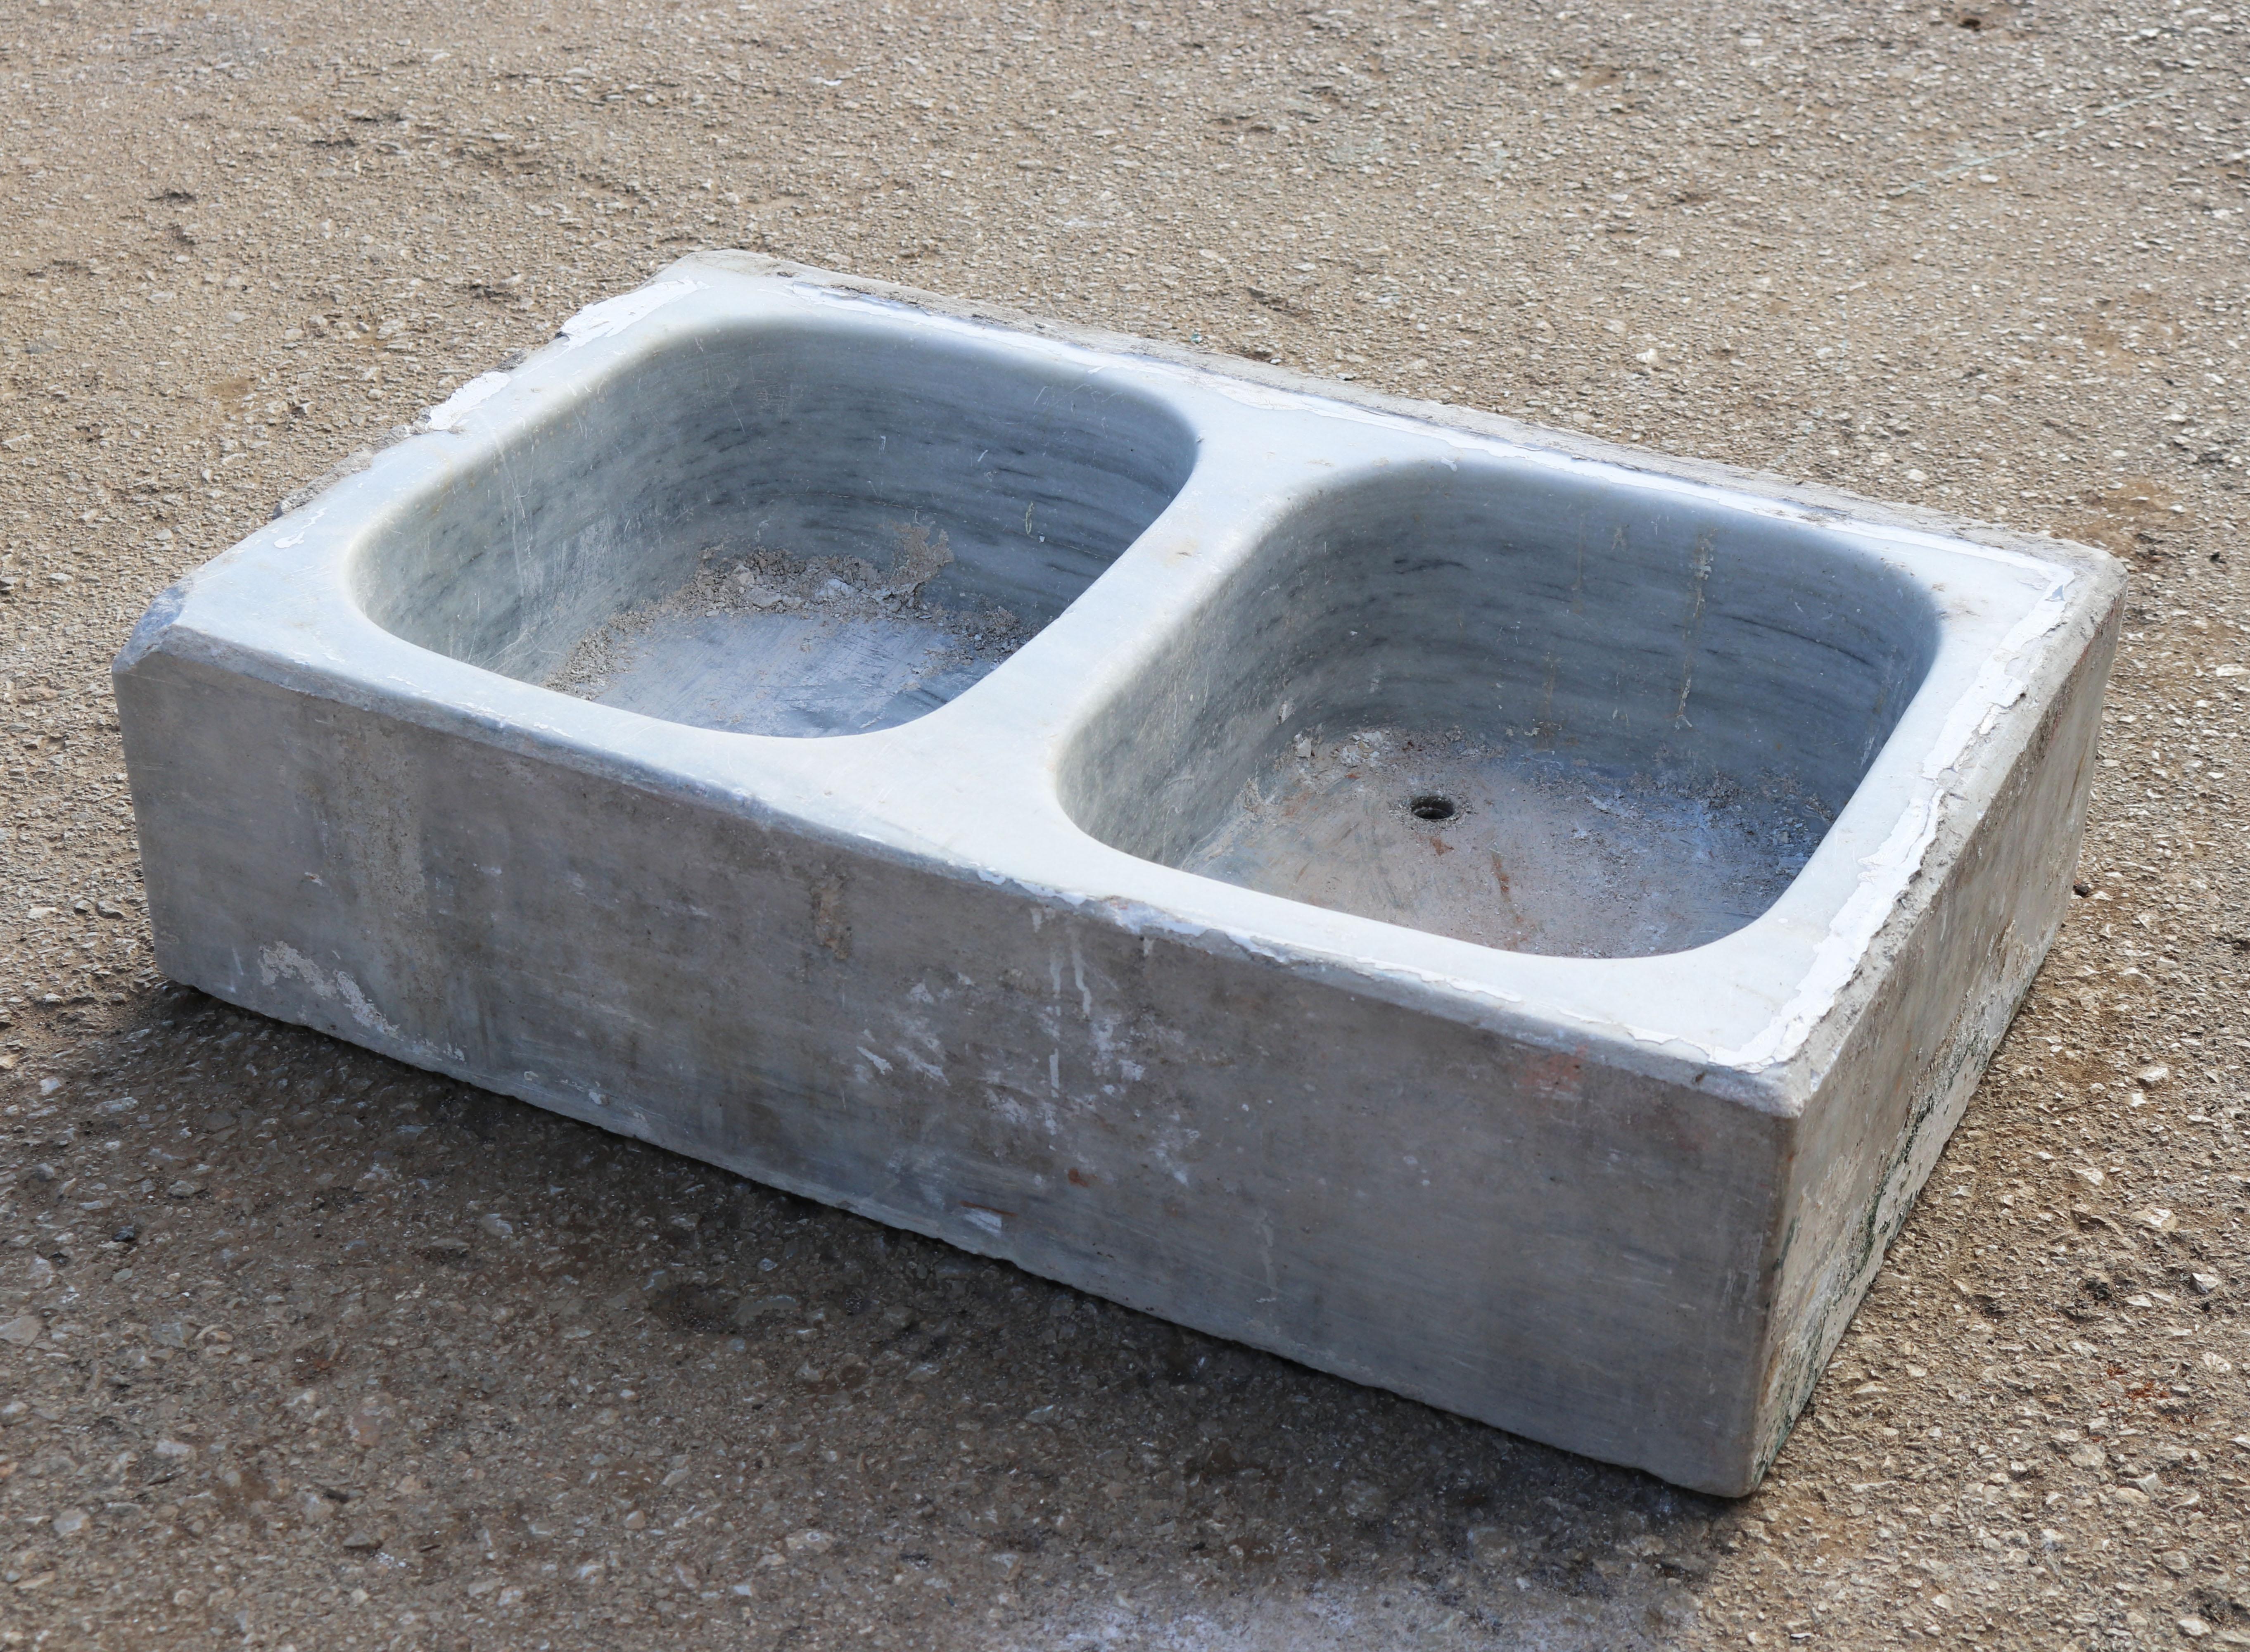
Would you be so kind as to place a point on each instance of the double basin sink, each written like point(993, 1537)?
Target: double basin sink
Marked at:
point(1498, 916)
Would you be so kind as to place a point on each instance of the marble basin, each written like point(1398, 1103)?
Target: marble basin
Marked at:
point(1497, 915)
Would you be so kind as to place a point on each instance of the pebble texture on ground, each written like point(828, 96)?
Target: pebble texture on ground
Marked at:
point(299, 1348)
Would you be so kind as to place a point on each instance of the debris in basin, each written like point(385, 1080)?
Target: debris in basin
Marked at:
point(773, 643)
point(1509, 845)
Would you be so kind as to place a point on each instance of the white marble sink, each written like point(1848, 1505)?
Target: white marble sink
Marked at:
point(1499, 917)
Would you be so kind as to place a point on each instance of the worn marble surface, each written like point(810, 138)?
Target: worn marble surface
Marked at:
point(959, 973)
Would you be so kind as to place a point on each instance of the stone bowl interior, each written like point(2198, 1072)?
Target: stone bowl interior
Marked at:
point(1018, 478)
point(1535, 711)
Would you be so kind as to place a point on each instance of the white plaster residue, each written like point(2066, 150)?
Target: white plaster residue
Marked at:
point(999, 1096)
point(282, 959)
point(1108, 1034)
point(927, 1069)
point(303, 528)
point(990, 1220)
point(1078, 976)
point(612, 316)
point(916, 1044)
point(1264, 1225)
point(449, 413)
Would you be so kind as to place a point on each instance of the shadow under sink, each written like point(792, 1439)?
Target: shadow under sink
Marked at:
point(799, 530)
point(1544, 713)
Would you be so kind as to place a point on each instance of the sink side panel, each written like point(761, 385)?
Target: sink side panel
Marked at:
point(1903, 1075)
point(1515, 1233)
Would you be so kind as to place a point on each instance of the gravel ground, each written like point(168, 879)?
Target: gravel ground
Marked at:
point(301, 1348)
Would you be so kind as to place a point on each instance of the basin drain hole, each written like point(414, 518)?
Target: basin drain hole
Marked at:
point(1431, 806)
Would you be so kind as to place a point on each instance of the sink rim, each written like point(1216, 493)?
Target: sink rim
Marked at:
point(281, 605)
